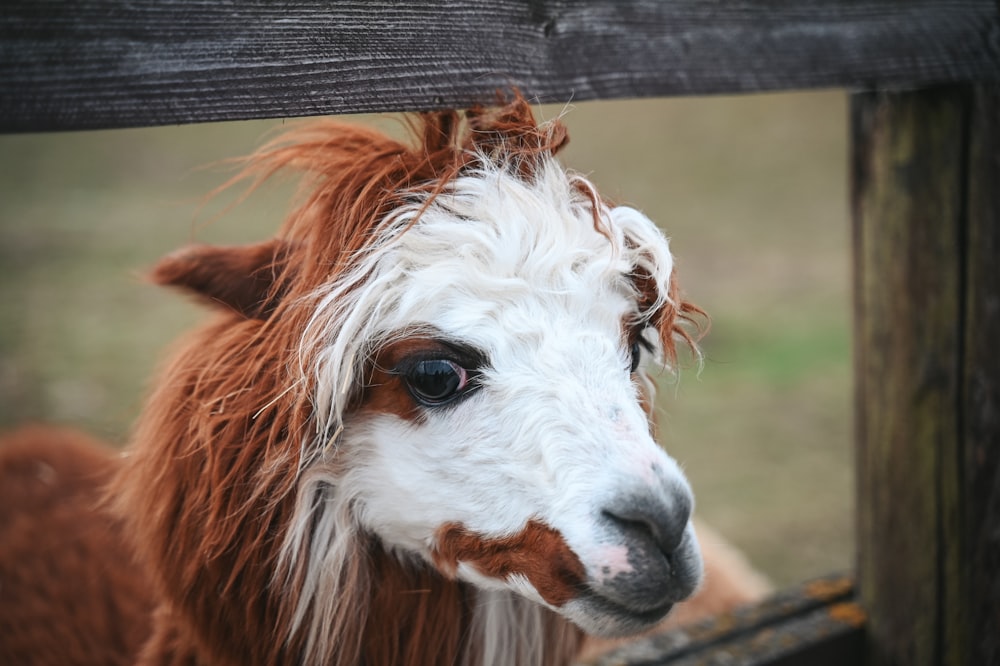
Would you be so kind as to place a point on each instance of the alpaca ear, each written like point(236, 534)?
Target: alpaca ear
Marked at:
point(249, 279)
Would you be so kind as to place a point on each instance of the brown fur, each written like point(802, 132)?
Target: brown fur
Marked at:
point(69, 591)
point(250, 279)
point(209, 487)
point(418, 617)
point(557, 582)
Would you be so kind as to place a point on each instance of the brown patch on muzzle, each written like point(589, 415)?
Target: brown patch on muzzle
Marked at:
point(538, 552)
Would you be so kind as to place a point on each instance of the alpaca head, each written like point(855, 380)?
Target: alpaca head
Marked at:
point(470, 329)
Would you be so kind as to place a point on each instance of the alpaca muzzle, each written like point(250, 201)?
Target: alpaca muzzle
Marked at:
point(654, 561)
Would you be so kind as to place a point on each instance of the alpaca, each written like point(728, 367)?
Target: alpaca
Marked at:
point(418, 430)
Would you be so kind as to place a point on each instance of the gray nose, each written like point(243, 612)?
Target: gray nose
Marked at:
point(660, 517)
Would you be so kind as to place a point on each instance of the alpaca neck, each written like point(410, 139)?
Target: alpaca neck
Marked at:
point(413, 616)
point(357, 602)
point(509, 630)
point(418, 617)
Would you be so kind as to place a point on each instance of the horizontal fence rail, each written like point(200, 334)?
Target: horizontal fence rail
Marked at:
point(818, 623)
point(106, 63)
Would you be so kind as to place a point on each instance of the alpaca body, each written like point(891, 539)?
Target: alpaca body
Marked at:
point(70, 592)
point(419, 429)
point(73, 592)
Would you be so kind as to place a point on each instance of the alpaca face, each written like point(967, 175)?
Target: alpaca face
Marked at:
point(480, 385)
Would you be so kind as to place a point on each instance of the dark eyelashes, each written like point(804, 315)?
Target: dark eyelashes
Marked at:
point(442, 376)
point(639, 344)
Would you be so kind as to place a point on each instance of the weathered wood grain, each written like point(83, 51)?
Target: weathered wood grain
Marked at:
point(816, 623)
point(106, 63)
point(981, 384)
point(908, 167)
point(925, 171)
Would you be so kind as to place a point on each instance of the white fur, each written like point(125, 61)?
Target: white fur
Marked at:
point(508, 629)
point(517, 270)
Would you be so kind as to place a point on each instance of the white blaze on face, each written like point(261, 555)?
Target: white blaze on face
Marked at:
point(544, 478)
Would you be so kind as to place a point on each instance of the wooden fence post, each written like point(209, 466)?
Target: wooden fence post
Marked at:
point(981, 426)
point(926, 209)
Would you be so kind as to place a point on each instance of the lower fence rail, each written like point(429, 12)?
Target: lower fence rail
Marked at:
point(818, 623)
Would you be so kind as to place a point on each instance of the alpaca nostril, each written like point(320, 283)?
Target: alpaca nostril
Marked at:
point(662, 522)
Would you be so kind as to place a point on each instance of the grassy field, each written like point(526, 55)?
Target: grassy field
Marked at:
point(752, 191)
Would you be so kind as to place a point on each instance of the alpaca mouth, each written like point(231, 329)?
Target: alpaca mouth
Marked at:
point(632, 602)
point(617, 609)
point(611, 619)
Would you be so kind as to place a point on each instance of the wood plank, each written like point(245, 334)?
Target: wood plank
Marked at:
point(907, 205)
point(927, 300)
point(817, 623)
point(104, 63)
point(981, 387)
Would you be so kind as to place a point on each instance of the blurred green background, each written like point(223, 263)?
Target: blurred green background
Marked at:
point(752, 191)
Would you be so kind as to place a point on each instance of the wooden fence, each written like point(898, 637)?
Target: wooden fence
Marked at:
point(925, 174)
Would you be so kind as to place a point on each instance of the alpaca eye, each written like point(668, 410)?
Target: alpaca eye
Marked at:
point(436, 381)
point(635, 350)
